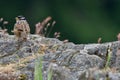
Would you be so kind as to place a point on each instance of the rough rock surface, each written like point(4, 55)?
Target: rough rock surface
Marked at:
point(67, 61)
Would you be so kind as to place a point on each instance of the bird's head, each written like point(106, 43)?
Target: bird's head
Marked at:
point(20, 18)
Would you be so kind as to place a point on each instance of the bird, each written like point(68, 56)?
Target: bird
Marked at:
point(21, 28)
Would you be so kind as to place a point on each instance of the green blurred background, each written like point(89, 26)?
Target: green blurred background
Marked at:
point(80, 21)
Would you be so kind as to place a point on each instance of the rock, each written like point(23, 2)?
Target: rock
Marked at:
point(99, 74)
point(67, 61)
point(61, 73)
point(114, 76)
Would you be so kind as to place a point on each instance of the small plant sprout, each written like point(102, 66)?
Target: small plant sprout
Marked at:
point(99, 40)
point(118, 36)
point(50, 73)
point(53, 23)
point(3, 23)
point(38, 69)
point(46, 28)
point(1, 19)
point(48, 24)
point(57, 35)
point(109, 54)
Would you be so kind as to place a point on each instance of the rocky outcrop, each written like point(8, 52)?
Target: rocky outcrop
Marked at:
point(68, 61)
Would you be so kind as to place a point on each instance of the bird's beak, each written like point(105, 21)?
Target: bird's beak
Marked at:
point(16, 18)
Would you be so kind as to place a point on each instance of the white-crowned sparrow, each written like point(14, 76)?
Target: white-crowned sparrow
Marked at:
point(21, 28)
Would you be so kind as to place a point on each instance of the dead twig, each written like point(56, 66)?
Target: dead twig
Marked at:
point(40, 26)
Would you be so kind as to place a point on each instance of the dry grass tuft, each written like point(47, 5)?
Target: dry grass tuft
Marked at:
point(7, 72)
point(41, 26)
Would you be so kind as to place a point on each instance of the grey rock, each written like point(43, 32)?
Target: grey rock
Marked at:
point(114, 76)
point(97, 74)
point(68, 61)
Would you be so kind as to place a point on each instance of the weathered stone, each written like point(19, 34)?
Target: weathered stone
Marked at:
point(68, 61)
